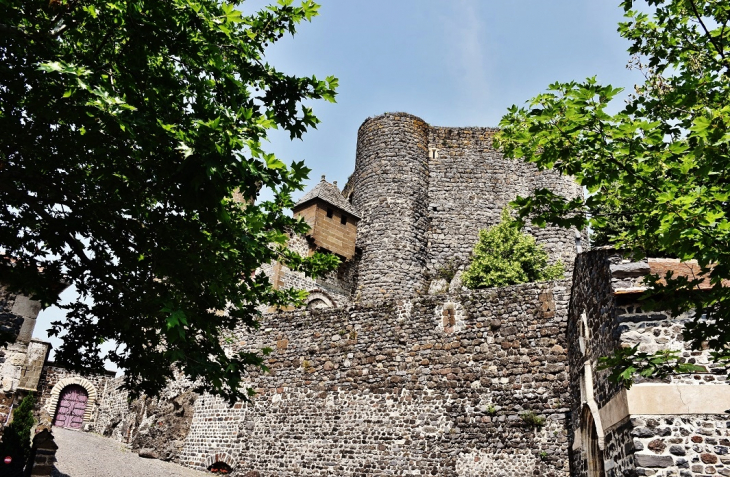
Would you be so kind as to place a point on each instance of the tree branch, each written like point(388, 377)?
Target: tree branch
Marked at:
point(707, 32)
point(12, 29)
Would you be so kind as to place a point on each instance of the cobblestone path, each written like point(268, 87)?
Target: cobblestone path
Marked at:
point(82, 454)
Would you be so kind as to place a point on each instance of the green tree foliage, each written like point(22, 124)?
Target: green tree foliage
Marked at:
point(16, 441)
point(504, 255)
point(658, 167)
point(127, 126)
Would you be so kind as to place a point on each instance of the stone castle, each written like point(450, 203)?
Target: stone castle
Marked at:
point(393, 368)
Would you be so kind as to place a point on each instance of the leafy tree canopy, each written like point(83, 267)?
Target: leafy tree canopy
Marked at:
point(659, 166)
point(127, 126)
point(504, 255)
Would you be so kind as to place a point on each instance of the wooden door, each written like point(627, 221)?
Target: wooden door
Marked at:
point(71, 407)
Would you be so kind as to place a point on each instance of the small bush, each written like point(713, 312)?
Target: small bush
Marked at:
point(448, 271)
point(532, 419)
point(504, 255)
point(16, 437)
point(491, 410)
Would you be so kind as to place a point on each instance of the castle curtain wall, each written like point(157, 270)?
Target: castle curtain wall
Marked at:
point(389, 388)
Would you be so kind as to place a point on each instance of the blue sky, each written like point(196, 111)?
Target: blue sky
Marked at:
point(450, 62)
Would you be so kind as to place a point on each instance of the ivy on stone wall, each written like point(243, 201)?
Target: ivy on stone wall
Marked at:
point(505, 255)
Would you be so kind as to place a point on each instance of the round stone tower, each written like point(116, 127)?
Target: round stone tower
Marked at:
point(390, 189)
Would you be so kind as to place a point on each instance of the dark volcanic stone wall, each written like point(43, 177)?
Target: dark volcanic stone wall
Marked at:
point(425, 192)
point(431, 386)
point(10, 323)
point(469, 185)
point(590, 335)
point(657, 439)
point(390, 189)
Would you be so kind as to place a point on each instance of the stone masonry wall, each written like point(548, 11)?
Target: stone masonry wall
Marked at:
point(335, 287)
point(688, 446)
point(606, 313)
point(470, 183)
point(10, 322)
point(154, 427)
point(390, 189)
point(52, 374)
point(590, 335)
point(430, 386)
point(425, 192)
point(329, 232)
point(17, 319)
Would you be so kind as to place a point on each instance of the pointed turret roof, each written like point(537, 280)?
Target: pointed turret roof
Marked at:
point(330, 194)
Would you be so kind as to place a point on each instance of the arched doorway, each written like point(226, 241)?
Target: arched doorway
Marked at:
point(71, 407)
point(64, 383)
point(594, 454)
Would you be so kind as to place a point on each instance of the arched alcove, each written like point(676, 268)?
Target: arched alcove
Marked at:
point(318, 299)
point(220, 462)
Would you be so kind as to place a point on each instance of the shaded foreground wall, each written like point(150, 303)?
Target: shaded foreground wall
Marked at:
point(431, 386)
point(21, 360)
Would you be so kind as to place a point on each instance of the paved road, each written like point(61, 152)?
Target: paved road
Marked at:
point(82, 454)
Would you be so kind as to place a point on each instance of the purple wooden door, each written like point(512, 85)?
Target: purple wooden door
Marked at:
point(71, 407)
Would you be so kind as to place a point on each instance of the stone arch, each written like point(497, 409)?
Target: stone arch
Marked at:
point(319, 299)
point(84, 383)
point(219, 457)
point(592, 436)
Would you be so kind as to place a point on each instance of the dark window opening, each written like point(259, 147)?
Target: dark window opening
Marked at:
point(343, 219)
point(330, 213)
point(220, 468)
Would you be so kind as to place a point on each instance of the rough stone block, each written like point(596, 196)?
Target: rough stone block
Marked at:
point(644, 460)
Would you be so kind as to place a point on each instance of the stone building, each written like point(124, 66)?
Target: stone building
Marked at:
point(413, 206)
point(672, 427)
point(393, 370)
point(22, 359)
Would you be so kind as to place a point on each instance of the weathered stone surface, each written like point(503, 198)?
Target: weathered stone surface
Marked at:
point(648, 460)
point(148, 453)
point(424, 192)
point(601, 322)
point(677, 450)
point(387, 387)
point(631, 269)
point(657, 446)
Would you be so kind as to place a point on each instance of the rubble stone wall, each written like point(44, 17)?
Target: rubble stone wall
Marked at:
point(434, 385)
point(390, 190)
point(470, 183)
point(425, 192)
point(649, 433)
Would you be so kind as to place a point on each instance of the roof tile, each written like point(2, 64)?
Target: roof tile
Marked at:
point(330, 194)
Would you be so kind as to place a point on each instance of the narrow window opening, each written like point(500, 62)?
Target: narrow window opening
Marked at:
point(330, 213)
point(343, 219)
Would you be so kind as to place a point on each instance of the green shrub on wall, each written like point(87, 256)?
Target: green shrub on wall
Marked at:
point(504, 255)
point(16, 437)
